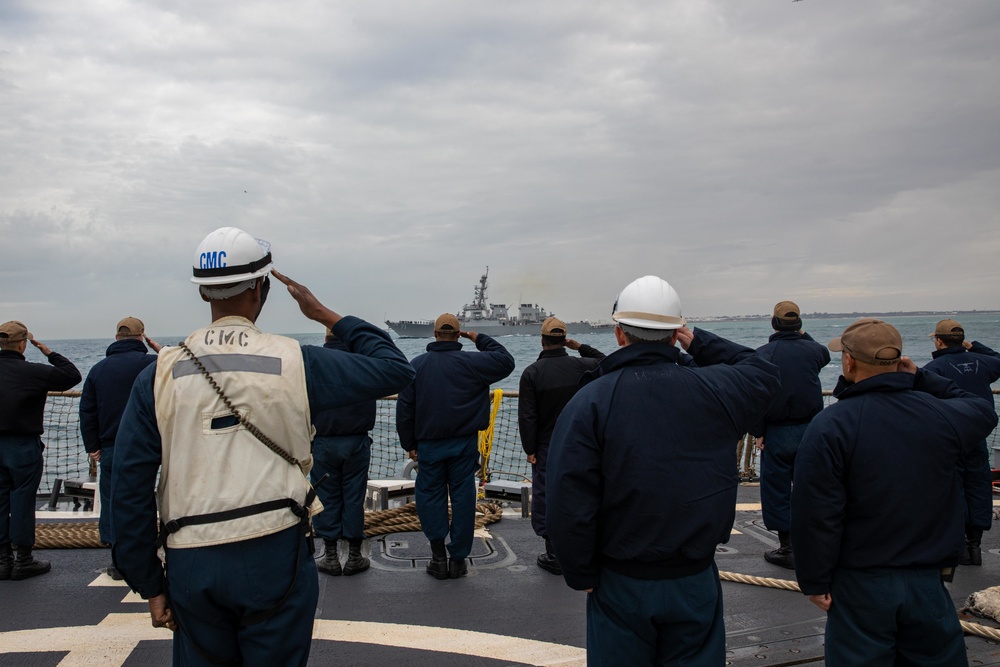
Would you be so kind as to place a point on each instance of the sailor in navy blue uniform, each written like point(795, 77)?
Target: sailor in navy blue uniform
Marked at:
point(226, 421)
point(800, 359)
point(24, 387)
point(877, 505)
point(642, 482)
point(973, 367)
point(546, 386)
point(105, 393)
point(438, 419)
point(342, 450)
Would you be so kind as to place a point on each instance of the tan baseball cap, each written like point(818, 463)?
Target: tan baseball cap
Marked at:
point(787, 312)
point(131, 326)
point(947, 328)
point(15, 331)
point(446, 323)
point(553, 326)
point(871, 341)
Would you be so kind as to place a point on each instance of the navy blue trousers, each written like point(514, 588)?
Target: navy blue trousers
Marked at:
point(637, 622)
point(447, 469)
point(977, 483)
point(104, 525)
point(892, 617)
point(538, 491)
point(212, 588)
point(21, 466)
point(345, 458)
point(777, 465)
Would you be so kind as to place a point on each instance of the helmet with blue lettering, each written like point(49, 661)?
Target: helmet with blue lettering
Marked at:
point(230, 255)
point(649, 308)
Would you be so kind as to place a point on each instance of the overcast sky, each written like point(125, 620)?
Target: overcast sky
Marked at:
point(842, 154)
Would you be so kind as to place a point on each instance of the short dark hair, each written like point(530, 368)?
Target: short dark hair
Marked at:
point(633, 339)
point(952, 340)
point(552, 341)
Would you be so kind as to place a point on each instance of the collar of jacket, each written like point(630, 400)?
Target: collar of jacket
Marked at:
point(556, 352)
point(957, 349)
point(444, 346)
point(789, 335)
point(899, 381)
point(636, 354)
point(12, 354)
point(127, 345)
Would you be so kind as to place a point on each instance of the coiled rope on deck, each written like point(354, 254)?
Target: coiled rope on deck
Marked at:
point(68, 535)
point(404, 518)
point(84, 534)
point(969, 628)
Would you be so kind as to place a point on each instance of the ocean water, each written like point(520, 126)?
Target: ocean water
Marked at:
point(66, 459)
point(984, 328)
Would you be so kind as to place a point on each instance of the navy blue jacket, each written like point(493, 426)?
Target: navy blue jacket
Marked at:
point(348, 420)
point(875, 483)
point(545, 388)
point(376, 369)
point(800, 359)
point(106, 391)
point(24, 386)
point(642, 474)
point(972, 370)
point(450, 395)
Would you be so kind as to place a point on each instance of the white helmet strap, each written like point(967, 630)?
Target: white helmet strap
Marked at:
point(223, 293)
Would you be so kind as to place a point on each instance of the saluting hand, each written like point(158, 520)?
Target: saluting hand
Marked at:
point(153, 345)
point(572, 344)
point(685, 337)
point(42, 347)
point(471, 335)
point(906, 365)
point(310, 306)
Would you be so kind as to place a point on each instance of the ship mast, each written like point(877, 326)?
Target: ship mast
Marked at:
point(479, 301)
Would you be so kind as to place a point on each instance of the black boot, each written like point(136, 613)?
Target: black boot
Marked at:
point(25, 566)
point(782, 556)
point(329, 563)
point(6, 561)
point(547, 561)
point(355, 561)
point(438, 567)
point(457, 568)
point(973, 547)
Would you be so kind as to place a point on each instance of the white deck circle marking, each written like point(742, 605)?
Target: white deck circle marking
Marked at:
point(111, 642)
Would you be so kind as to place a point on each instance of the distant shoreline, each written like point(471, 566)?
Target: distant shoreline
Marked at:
point(839, 316)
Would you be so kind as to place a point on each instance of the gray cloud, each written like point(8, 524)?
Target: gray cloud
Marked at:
point(842, 154)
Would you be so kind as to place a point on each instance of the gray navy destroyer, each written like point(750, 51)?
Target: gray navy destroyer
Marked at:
point(494, 319)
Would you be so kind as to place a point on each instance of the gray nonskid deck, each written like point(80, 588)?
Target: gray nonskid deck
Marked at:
point(506, 612)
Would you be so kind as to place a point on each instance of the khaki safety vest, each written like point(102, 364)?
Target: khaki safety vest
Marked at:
point(209, 465)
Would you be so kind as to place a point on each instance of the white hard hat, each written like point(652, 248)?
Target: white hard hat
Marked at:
point(230, 255)
point(648, 303)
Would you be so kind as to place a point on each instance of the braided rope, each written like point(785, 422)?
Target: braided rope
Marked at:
point(767, 582)
point(404, 519)
point(977, 629)
point(74, 535)
point(85, 535)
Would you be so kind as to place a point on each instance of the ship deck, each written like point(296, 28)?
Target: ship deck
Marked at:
point(506, 612)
